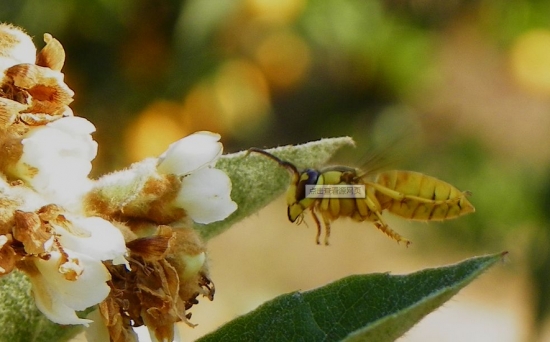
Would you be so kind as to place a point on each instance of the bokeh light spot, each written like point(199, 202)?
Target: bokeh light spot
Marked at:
point(242, 93)
point(154, 130)
point(530, 61)
point(276, 11)
point(285, 59)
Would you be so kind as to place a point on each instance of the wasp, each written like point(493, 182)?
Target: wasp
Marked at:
point(408, 194)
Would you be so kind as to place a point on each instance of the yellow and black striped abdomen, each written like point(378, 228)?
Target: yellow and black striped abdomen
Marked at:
point(415, 196)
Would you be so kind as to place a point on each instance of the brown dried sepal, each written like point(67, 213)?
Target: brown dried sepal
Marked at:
point(151, 203)
point(31, 231)
point(164, 191)
point(153, 248)
point(151, 292)
point(52, 54)
point(187, 248)
point(43, 89)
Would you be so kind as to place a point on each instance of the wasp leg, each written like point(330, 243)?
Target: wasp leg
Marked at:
point(399, 196)
point(374, 206)
point(383, 226)
point(327, 230)
point(318, 223)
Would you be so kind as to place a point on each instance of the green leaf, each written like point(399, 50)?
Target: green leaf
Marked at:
point(20, 319)
point(258, 180)
point(373, 307)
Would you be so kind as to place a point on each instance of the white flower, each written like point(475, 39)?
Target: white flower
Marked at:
point(198, 150)
point(205, 196)
point(77, 281)
point(57, 297)
point(94, 236)
point(205, 191)
point(57, 159)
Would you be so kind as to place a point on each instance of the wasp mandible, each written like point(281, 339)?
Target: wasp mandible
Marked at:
point(408, 194)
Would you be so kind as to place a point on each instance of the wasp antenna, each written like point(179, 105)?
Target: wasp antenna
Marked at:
point(287, 165)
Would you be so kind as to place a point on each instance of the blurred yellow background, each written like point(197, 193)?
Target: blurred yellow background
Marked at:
point(466, 82)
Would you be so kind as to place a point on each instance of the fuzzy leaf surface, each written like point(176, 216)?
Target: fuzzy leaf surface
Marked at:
point(373, 307)
point(20, 319)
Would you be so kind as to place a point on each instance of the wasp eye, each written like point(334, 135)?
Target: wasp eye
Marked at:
point(308, 177)
point(312, 176)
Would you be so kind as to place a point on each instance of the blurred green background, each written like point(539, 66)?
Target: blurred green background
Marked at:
point(463, 86)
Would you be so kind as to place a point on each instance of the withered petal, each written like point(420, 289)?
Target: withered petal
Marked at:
point(51, 212)
point(7, 210)
point(49, 94)
point(161, 280)
point(9, 110)
point(152, 292)
point(7, 256)
point(31, 232)
point(52, 55)
point(119, 331)
point(38, 119)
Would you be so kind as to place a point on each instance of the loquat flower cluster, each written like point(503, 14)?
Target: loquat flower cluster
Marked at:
point(123, 244)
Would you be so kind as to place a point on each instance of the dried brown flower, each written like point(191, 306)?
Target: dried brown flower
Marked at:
point(32, 90)
point(84, 242)
point(158, 291)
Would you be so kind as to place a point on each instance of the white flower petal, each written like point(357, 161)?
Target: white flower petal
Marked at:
point(205, 196)
point(57, 159)
point(97, 331)
point(191, 153)
point(66, 192)
point(58, 298)
point(59, 186)
point(73, 125)
point(54, 309)
point(68, 136)
point(104, 241)
point(89, 289)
